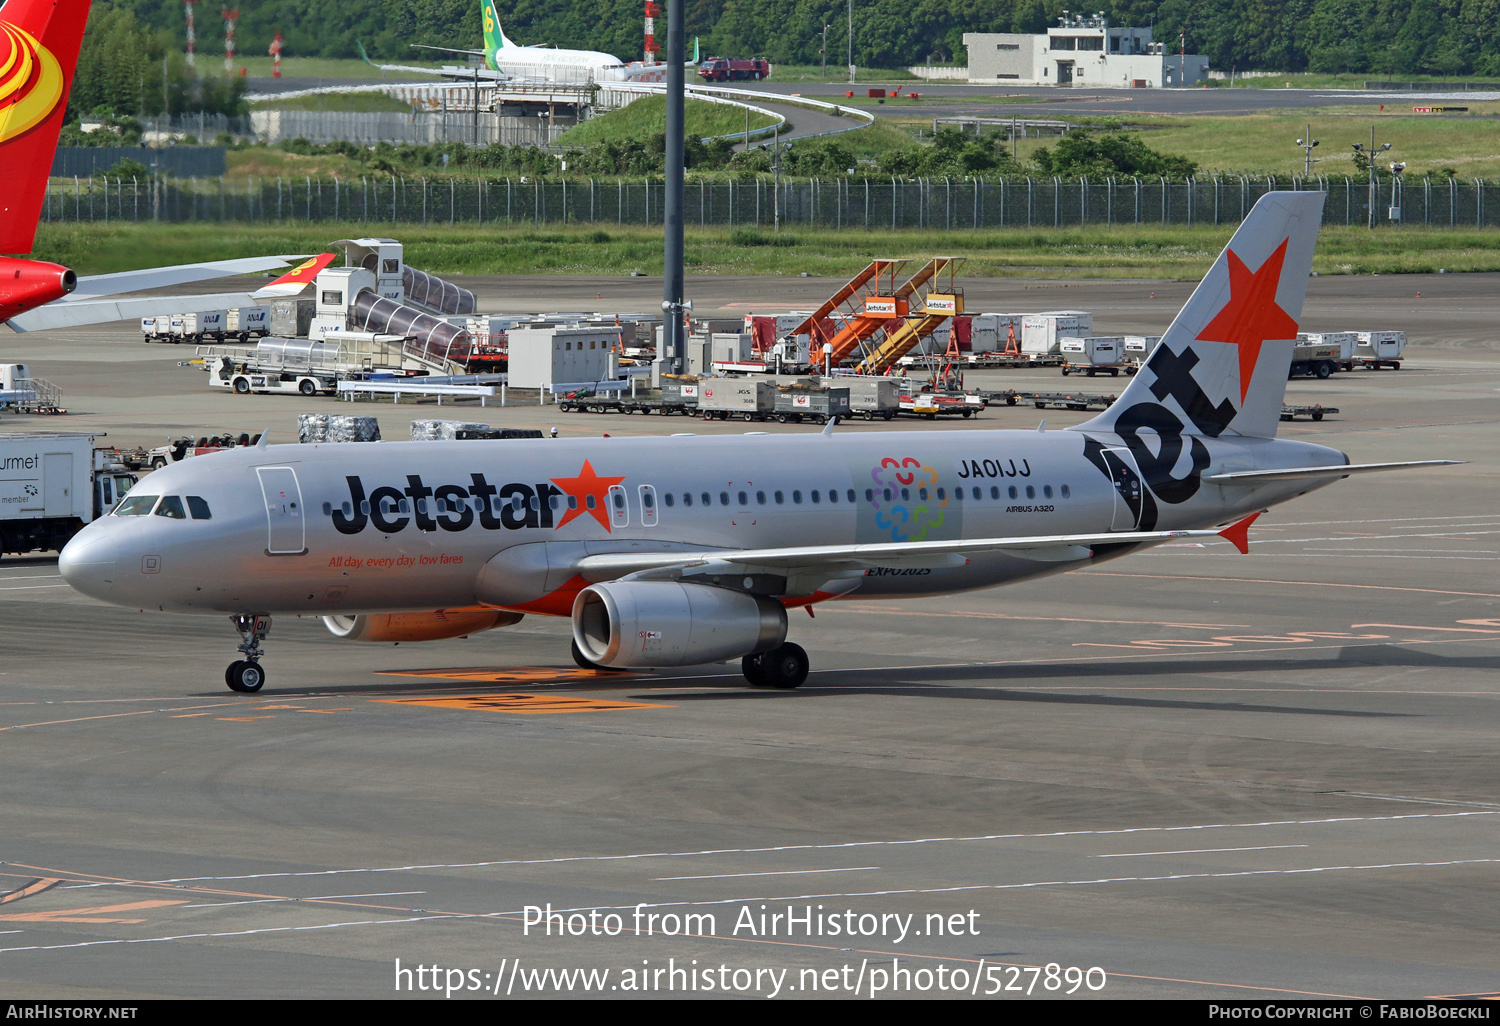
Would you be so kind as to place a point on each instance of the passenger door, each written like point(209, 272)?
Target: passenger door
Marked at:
point(285, 523)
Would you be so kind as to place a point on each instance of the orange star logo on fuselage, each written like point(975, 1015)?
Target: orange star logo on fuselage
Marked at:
point(587, 485)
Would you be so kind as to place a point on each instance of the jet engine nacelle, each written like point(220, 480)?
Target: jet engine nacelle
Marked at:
point(433, 626)
point(28, 284)
point(666, 623)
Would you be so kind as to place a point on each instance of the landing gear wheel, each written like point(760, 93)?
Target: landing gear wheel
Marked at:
point(244, 676)
point(785, 667)
point(754, 669)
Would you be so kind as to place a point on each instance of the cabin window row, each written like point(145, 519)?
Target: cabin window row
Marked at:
point(832, 496)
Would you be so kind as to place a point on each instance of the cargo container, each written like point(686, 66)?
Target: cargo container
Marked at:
point(1041, 334)
point(247, 322)
point(291, 318)
point(740, 398)
point(1345, 340)
point(993, 332)
point(1376, 349)
point(796, 403)
point(1092, 354)
point(873, 397)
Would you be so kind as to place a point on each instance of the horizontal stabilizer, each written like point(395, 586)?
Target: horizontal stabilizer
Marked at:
point(1293, 473)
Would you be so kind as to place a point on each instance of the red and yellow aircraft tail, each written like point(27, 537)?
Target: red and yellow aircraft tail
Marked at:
point(39, 42)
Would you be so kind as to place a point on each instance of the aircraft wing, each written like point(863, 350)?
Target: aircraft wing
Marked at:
point(447, 49)
point(850, 560)
point(95, 286)
point(1293, 473)
point(102, 311)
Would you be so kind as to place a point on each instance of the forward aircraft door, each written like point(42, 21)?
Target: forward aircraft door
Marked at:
point(286, 525)
point(1128, 489)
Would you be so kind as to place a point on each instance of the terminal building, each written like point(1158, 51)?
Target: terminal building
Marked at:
point(1081, 50)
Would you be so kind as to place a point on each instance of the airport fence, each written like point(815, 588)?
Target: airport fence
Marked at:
point(947, 204)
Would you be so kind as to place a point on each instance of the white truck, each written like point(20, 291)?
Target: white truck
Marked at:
point(53, 484)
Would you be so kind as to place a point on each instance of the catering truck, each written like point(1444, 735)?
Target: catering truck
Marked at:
point(53, 484)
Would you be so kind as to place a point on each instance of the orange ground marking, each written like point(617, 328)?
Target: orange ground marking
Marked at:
point(525, 705)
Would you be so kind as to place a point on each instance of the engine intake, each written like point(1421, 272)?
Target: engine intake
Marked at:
point(666, 623)
point(433, 626)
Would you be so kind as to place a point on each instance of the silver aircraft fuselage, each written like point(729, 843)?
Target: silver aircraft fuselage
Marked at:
point(324, 529)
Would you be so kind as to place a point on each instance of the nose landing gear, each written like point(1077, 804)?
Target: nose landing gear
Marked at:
point(245, 675)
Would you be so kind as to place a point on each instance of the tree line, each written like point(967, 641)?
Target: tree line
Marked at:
point(1377, 37)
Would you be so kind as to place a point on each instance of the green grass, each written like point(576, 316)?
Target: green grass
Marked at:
point(837, 73)
point(324, 67)
point(640, 120)
point(1173, 253)
point(1470, 144)
point(1346, 80)
point(357, 102)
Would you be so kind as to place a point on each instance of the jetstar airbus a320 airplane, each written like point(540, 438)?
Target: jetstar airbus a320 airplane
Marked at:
point(686, 550)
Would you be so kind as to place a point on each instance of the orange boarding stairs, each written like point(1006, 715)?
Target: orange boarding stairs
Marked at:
point(936, 302)
point(865, 305)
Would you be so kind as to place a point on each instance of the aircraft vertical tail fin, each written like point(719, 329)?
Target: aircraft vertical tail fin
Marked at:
point(1224, 360)
point(39, 42)
point(494, 35)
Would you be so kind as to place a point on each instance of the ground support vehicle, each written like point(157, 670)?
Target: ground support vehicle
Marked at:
point(1064, 400)
point(1314, 412)
point(730, 69)
point(26, 394)
point(932, 405)
point(625, 404)
point(1318, 360)
point(52, 485)
point(795, 404)
point(244, 380)
point(182, 448)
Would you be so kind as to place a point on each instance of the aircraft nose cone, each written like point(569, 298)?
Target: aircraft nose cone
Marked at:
point(88, 564)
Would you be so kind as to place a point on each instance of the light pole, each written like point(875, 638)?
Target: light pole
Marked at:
point(1307, 143)
point(824, 50)
point(851, 42)
point(1373, 154)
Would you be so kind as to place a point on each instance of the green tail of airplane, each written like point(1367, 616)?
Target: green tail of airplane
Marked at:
point(494, 35)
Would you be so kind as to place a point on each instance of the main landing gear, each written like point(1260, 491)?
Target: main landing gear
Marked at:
point(245, 675)
point(782, 667)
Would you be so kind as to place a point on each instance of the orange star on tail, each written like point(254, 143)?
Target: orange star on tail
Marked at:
point(1251, 317)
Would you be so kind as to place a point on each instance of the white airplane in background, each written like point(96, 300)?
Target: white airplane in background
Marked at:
point(529, 63)
point(679, 551)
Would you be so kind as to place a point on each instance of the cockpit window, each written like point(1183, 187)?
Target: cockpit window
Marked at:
point(171, 507)
point(136, 505)
point(198, 506)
